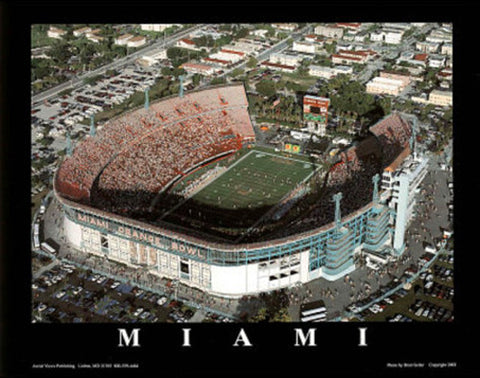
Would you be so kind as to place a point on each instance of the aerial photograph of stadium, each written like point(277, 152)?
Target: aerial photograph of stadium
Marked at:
point(275, 172)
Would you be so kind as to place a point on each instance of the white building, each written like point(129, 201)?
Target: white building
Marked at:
point(377, 36)
point(285, 26)
point(203, 69)
point(383, 85)
point(285, 59)
point(95, 38)
point(400, 181)
point(329, 72)
point(441, 98)
point(427, 47)
point(447, 49)
point(186, 43)
point(123, 39)
point(229, 56)
point(436, 61)
point(154, 57)
point(393, 37)
point(259, 33)
point(155, 27)
point(305, 47)
point(136, 41)
point(56, 33)
point(329, 31)
point(81, 31)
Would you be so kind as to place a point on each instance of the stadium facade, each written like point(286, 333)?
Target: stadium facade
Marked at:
point(101, 165)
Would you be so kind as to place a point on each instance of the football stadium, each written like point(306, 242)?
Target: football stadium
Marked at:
point(179, 187)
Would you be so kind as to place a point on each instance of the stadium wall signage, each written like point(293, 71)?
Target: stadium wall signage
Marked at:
point(129, 232)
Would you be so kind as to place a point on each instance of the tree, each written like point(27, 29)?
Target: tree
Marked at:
point(196, 78)
point(237, 72)
point(331, 47)
point(266, 88)
point(241, 33)
point(252, 62)
point(60, 52)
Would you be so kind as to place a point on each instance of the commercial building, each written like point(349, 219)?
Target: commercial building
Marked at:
point(443, 35)
point(155, 27)
point(436, 97)
point(445, 74)
point(186, 43)
point(437, 61)
point(305, 47)
point(285, 26)
point(350, 56)
point(427, 47)
point(123, 39)
point(198, 68)
point(286, 59)
point(329, 31)
point(56, 33)
point(441, 98)
point(278, 66)
point(136, 41)
point(447, 49)
point(81, 31)
point(383, 85)
point(95, 38)
point(405, 78)
point(390, 33)
point(154, 57)
point(329, 72)
point(392, 36)
point(246, 47)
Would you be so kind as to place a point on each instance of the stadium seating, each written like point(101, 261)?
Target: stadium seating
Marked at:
point(144, 150)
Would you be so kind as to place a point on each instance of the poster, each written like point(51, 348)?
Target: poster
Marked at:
point(233, 348)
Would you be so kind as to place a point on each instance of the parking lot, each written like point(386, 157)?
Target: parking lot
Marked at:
point(66, 293)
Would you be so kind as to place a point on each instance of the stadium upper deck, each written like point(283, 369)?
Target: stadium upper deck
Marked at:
point(143, 150)
point(133, 157)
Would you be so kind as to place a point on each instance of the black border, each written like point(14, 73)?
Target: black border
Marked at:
point(273, 352)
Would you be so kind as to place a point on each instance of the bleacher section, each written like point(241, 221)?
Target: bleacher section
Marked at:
point(143, 150)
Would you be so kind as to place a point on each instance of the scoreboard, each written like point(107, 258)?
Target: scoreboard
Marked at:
point(315, 109)
point(290, 147)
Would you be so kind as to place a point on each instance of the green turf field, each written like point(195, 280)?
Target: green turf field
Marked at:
point(254, 183)
point(256, 180)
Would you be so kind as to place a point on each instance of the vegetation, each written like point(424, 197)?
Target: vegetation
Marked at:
point(331, 47)
point(252, 62)
point(178, 56)
point(275, 309)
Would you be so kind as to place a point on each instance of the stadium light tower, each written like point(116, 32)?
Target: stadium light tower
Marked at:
point(375, 180)
point(147, 101)
point(181, 86)
point(412, 141)
point(92, 125)
point(336, 198)
point(69, 144)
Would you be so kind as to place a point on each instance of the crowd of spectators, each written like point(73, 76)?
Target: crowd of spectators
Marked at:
point(394, 134)
point(352, 174)
point(133, 156)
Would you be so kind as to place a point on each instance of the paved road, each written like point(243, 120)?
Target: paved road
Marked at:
point(111, 66)
point(274, 49)
point(431, 217)
point(45, 268)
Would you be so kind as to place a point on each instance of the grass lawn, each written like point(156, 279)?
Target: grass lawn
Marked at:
point(258, 179)
point(40, 38)
point(252, 184)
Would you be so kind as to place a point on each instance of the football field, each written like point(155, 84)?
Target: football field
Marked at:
point(246, 190)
